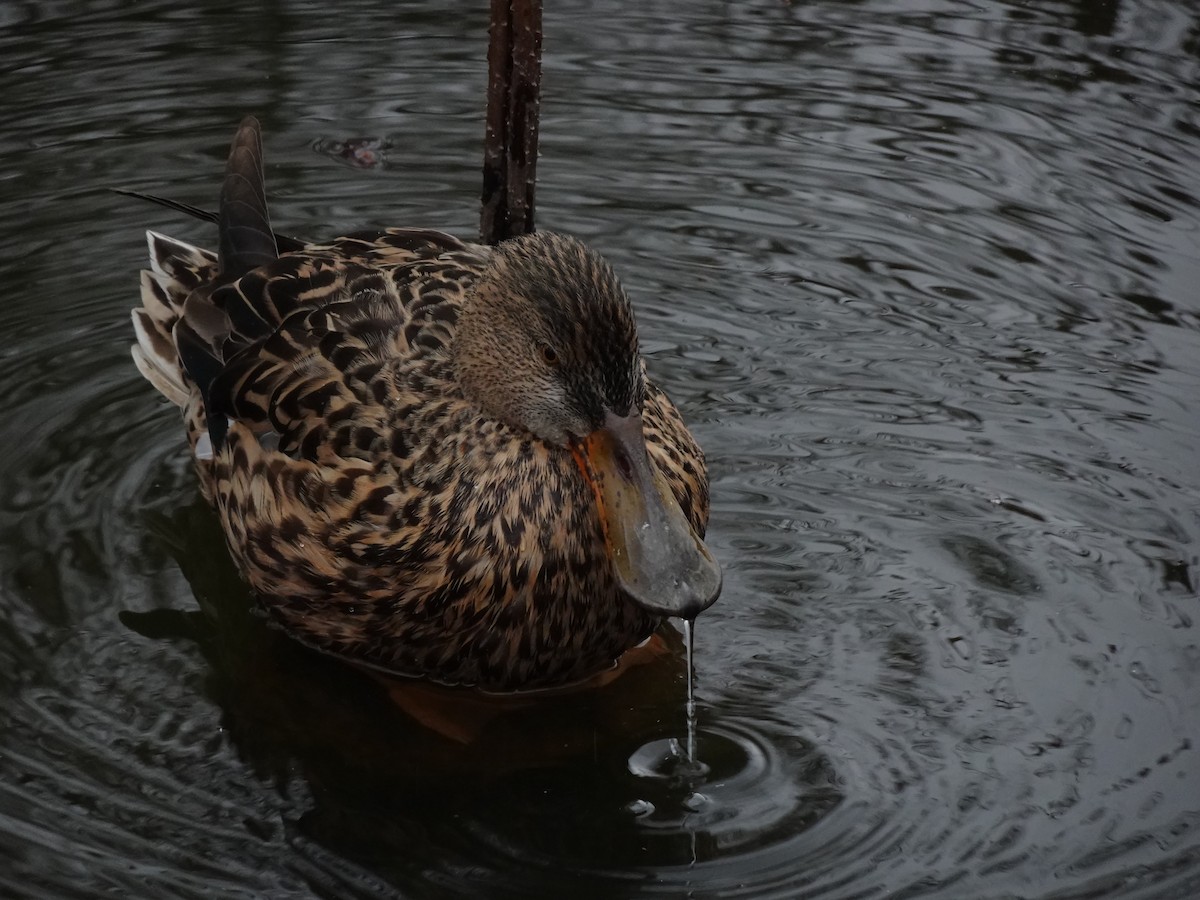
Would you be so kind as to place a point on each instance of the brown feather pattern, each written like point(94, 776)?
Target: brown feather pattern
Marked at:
point(375, 510)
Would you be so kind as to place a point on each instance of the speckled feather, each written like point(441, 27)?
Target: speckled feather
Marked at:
point(376, 512)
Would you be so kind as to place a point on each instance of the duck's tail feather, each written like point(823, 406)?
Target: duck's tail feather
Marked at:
point(245, 242)
point(184, 327)
point(246, 239)
point(176, 269)
point(285, 243)
point(204, 215)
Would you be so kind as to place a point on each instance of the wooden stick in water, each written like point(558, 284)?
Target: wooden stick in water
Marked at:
point(510, 143)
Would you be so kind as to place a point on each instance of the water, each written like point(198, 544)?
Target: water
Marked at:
point(921, 275)
point(689, 643)
point(675, 765)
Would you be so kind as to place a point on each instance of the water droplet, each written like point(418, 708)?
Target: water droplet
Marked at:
point(666, 761)
point(697, 802)
point(640, 808)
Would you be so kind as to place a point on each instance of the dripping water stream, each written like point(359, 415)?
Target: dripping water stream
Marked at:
point(671, 765)
point(689, 636)
point(693, 770)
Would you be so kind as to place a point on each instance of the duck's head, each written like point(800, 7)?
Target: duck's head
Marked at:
point(547, 343)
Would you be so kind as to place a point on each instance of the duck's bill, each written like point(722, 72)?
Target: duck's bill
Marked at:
point(658, 559)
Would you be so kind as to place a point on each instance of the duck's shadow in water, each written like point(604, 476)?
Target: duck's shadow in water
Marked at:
point(283, 704)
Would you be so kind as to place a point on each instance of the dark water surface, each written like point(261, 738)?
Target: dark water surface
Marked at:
point(924, 277)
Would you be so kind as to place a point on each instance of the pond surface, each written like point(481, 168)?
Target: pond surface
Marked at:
point(922, 275)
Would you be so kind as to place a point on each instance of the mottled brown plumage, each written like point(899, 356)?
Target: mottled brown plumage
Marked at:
point(394, 430)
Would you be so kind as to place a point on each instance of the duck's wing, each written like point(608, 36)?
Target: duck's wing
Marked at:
point(294, 345)
point(325, 379)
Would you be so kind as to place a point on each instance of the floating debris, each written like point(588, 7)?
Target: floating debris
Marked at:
point(362, 153)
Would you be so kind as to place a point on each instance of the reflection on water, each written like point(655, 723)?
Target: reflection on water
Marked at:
point(921, 275)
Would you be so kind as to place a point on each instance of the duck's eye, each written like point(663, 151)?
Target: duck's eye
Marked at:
point(549, 355)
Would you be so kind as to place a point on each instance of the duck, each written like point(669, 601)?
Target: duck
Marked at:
point(432, 458)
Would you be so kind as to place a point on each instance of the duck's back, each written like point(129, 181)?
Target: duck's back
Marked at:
point(288, 344)
point(324, 337)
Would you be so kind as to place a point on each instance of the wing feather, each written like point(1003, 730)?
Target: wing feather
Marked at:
point(324, 379)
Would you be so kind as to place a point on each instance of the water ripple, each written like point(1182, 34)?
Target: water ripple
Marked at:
point(921, 277)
